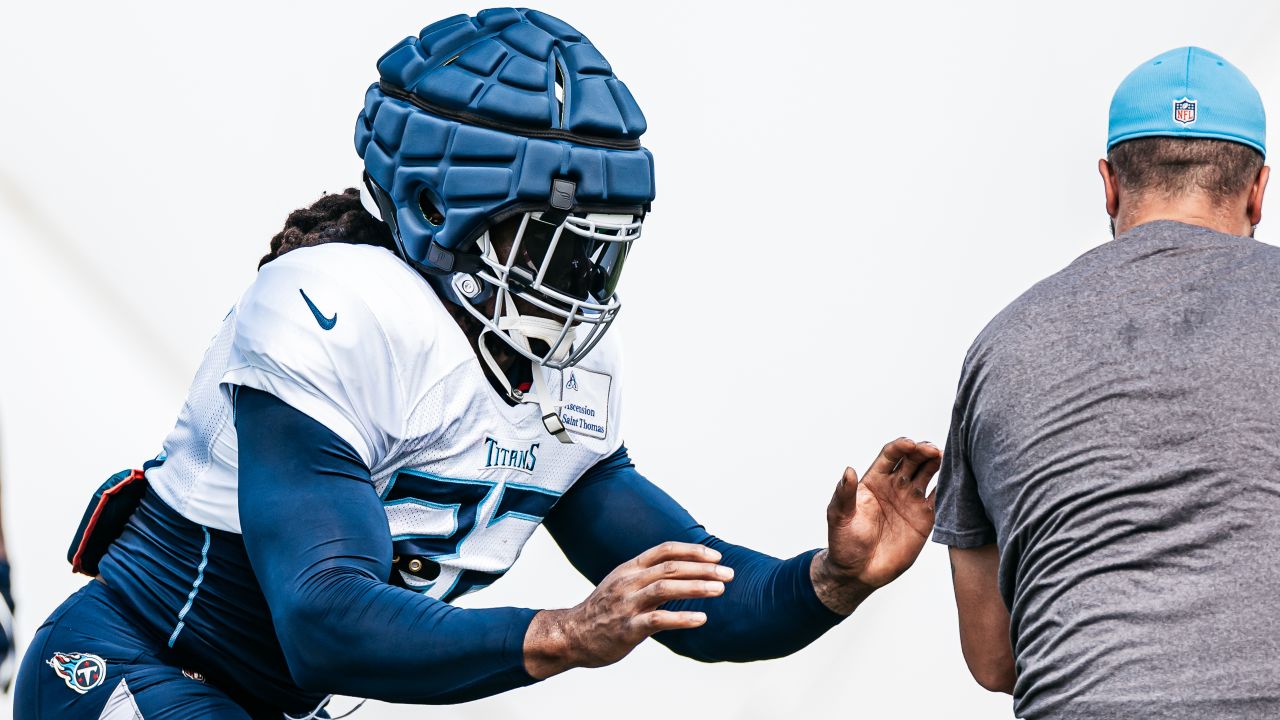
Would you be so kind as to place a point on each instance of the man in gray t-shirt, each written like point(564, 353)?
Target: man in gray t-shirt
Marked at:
point(1110, 490)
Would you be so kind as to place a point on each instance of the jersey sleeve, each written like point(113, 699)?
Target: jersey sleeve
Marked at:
point(307, 337)
point(961, 519)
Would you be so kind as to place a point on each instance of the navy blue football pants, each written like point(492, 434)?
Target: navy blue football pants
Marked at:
point(90, 660)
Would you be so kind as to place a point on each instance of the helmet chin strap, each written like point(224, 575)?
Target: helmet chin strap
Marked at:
point(521, 329)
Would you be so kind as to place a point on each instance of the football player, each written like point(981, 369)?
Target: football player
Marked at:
point(397, 402)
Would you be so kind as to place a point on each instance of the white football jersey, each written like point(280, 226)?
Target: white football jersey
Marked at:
point(357, 340)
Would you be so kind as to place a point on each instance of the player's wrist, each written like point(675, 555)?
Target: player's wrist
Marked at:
point(546, 645)
point(837, 586)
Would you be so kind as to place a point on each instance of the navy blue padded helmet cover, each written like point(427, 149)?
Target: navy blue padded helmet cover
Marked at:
point(468, 113)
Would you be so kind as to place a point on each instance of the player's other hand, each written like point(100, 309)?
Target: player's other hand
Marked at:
point(623, 609)
point(876, 527)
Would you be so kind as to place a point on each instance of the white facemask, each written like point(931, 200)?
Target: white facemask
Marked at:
point(519, 330)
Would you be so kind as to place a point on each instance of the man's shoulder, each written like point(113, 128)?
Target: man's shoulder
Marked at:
point(381, 280)
point(357, 307)
point(1073, 308)
point(1024, 315)
point(1098, 280)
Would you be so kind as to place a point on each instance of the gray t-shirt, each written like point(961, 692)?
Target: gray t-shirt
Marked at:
point(1117, 434)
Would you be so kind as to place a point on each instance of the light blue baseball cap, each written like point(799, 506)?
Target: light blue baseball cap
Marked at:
point(1188, 92)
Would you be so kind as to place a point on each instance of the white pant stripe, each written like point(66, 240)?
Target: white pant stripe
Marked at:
point(121, 706)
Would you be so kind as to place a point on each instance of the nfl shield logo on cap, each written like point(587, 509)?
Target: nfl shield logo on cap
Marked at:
point(1184, 111)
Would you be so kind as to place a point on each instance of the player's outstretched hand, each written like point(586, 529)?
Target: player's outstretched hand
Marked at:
point(876, 527)
point(623, 609)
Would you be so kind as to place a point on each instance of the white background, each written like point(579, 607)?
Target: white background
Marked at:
point(847, 193)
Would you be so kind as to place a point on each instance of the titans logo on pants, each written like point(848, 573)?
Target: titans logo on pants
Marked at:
point(81, 672)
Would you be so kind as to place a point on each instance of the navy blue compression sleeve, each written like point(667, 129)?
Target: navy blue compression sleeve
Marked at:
point(318, 542)
point(769, 609)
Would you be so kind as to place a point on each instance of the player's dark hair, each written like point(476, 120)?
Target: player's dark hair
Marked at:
point(1172, 166)
point(337, 217)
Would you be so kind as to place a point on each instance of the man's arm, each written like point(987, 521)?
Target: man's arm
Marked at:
point(965, 527)
point(773, 607)
point(318, 542)
point(984, 620)
point(317, 539)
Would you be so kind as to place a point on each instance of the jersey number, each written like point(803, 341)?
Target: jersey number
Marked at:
point(432, 516)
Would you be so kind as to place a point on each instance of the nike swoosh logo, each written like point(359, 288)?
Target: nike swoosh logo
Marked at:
point(325, 323)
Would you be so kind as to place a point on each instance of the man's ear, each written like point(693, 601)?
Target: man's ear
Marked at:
point(1254, 206)
point(1111, 186)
